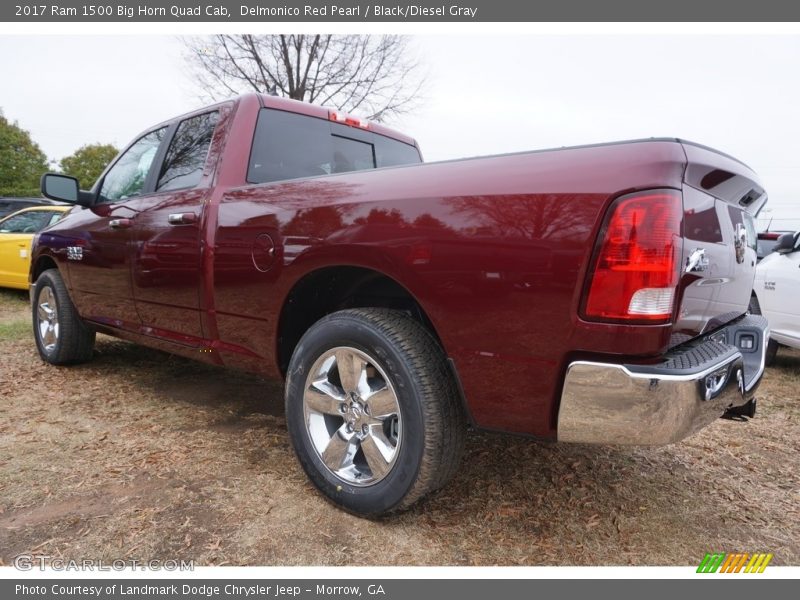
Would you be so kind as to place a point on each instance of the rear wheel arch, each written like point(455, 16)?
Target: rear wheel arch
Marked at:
point(329, 289)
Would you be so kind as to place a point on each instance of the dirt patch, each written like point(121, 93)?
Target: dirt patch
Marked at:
point(139, 454)
point(101, 503)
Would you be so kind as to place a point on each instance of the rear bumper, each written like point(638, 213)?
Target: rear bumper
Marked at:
point(658, 404)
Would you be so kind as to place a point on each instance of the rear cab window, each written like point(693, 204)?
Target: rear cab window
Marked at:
point(186, 156)
point(288, 145)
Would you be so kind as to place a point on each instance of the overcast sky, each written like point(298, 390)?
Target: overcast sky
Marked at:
point(487, 94)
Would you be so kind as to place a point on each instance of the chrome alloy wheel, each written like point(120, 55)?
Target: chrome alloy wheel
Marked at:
point(352, 416)
point(47, 319)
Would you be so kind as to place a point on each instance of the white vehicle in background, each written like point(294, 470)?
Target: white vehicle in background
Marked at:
point(776, 293)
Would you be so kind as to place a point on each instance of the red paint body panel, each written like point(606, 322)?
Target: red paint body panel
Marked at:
point(503, 271)
point(495, 250)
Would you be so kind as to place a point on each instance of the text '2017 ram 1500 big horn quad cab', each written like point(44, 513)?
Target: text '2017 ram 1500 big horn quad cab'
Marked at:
point(593, 294)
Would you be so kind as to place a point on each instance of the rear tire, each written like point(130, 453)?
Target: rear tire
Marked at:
point(61, 336)
point(367, 379)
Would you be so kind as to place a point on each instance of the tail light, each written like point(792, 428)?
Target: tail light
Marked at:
point(634, 275)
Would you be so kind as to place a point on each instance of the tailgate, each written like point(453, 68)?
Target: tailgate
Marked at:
point(721, 198)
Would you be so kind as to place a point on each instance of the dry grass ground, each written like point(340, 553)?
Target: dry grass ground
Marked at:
point(143, 455)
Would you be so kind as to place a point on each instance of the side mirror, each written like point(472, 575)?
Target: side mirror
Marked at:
point(64, 189)
point(785, 243)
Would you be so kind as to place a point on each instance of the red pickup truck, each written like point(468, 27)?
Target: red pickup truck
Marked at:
point(595, 294)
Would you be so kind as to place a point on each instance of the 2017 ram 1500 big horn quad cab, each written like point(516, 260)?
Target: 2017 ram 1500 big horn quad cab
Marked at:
point(594, 294)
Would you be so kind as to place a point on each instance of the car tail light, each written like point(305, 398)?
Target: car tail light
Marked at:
point(634, 275)
point(346, 119)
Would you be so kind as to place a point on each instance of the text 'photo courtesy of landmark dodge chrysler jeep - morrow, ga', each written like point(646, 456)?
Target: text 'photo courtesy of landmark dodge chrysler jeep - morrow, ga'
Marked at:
point(594, 294)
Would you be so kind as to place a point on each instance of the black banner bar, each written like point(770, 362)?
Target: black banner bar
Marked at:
point(386, 10)
point(731, 588)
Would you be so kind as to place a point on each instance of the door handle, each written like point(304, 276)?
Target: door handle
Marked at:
point(120, 223)
point(182, 218)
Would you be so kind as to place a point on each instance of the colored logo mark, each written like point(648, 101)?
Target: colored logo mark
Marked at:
point(734, 563)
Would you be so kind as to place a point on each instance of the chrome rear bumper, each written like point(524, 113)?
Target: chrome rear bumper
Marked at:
point(654, 405)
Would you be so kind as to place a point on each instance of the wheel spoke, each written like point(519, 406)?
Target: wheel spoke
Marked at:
point(352, 371)
point(382, 404)
point(340, 450)
point(321, 396)
point(43, 311)
point(49, 336)
point(378, 451)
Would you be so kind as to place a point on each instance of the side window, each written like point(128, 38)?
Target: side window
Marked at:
point(289, 146)
point(55, 218)
point(127, 177)
point(186, 156)
point(29, 222)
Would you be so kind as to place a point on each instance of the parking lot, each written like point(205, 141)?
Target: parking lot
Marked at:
point(143, 455)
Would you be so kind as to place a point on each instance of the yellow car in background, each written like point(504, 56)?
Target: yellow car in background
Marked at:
point(16, 234)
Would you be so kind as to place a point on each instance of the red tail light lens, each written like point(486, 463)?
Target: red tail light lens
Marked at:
point(635, 272)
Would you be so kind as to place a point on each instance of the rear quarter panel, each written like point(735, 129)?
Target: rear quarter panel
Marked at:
point(494, 249)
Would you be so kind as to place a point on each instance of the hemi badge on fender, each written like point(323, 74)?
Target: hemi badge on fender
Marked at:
point(74, 253)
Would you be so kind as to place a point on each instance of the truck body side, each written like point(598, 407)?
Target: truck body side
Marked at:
point(492, 254)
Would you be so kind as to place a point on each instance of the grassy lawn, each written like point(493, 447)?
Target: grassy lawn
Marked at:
point(139, 454)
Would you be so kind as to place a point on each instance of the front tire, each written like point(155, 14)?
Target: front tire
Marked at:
point(373, 412)
point(61, 336)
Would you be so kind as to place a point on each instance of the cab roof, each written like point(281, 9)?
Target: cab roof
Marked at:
point(279, 103)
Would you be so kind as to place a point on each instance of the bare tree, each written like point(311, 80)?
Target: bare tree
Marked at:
point(376, 76)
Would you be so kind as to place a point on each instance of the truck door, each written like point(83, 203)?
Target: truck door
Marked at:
point(779, 295)
point(98, 242)
point(166, 238)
